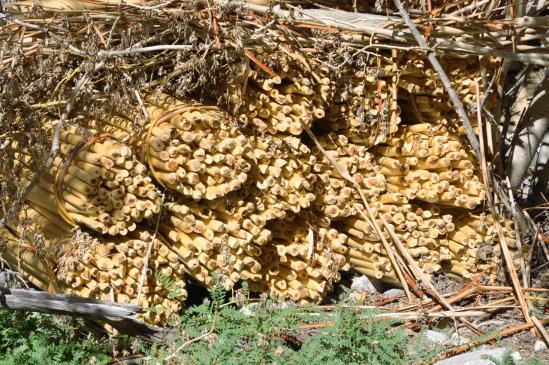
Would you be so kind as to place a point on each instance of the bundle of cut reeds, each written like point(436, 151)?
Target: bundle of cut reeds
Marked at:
point(336, 197)
point(55, 260)
point(428, 163)
point(284, 99)
point(422, 230)
point(113, 270)
point(303, 259)
point(216, 236)
point(474, 247)
point(282, 175)
point(195, 150)
point(96, 182)
point(422, 92)
point(23, 254)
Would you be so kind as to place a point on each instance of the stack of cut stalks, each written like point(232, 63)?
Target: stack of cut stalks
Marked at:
point(337, 198)
point(422, 94)
point(95, 182)
point(285, 99)
point(282, 175)
point(113, 270)
point(249, 199)
point(303, 260)
point(428, 163)
point(195, 150)
point(420, 229)
point(475, 249)
point(110, 269)
point(21, 254)
point(222, 237)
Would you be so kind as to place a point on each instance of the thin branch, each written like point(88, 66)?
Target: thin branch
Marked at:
point(484, 339)
point(102, 54)
point(539, 326)
point(458, 105)
point(503, 243)
point(524, 271)
point(191, 341)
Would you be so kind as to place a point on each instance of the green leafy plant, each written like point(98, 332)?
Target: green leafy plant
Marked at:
point(534, 361)
point(33, 338)
point(220, 332)
point(357, 338)
point(168, 283)
point(507, 359)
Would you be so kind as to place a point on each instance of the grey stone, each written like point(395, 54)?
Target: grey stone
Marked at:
point(246, 310)
point(540, 346)
point(365, 284)
point(517, 358)
point(458, 340)
point(474, 357)
point(436, 337)
point(393, 292)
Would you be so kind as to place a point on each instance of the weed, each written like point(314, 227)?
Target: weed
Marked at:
point(272, 333)
point(174, 292)
point(33, 338)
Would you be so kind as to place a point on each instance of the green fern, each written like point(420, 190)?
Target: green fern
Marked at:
point(534, 361)
point(268, 333)
point(507, 359)
point(174, 292)
point(217, 293)
point(32, 338)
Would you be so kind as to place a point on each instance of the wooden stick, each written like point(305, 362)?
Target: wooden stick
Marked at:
point(503, 243)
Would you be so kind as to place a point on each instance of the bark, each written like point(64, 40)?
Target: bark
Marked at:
point(529, 132)
point(540, 191)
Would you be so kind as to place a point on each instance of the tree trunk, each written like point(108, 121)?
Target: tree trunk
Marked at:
point(528, 134)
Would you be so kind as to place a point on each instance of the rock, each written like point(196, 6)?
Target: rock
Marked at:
point(515, 355)
point(540, 346)
point(474, 357)
point(436, 337)
point(458, 340)
point(393, 292)
point(246, 311)
point(366, 284)
point(358, 297)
